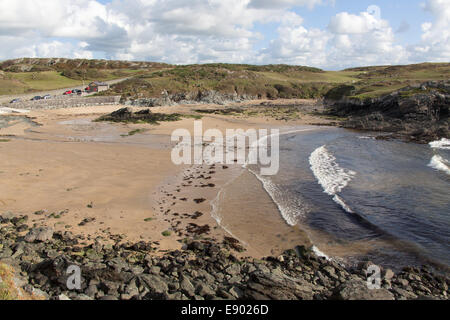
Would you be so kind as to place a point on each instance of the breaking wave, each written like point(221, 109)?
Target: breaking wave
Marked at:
point(439, 163)
point(441, 144)
point(289, 211)
point(290, 208)
point(330, 175)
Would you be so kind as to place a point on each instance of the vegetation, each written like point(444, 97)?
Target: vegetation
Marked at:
point(279, 81)
point(273, 81)
point(149, 80)
point(26, 75)
point(7, 289)
point(166, 233)
point(377, 81)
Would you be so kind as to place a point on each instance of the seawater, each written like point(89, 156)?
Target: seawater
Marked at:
point(349, 188)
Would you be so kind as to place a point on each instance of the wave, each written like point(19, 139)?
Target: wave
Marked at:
point(288, 210)
point(439, 163)
point(441, 144)
point(330, 175)
point(341, 202)
point(320, 253)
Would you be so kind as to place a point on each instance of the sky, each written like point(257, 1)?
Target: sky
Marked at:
point(329, 34)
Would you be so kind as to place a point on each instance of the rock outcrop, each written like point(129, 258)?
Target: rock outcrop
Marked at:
point(128, 115)
point(200, 97)
point(416, 113)
point(200, 270)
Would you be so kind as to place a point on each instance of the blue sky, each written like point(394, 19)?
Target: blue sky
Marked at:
point(322, 33)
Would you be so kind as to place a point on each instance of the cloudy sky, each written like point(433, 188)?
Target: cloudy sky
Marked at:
point(331, 34)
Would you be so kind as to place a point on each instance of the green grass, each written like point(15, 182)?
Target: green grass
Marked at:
point(5, 140)
point(166, 233)
point(22, 76)
point(148, 80)
point(45, 80)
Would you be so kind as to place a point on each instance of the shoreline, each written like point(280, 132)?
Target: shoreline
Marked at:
point(62, 132)
point(125, 212)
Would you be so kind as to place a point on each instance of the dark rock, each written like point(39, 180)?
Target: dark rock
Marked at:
point(412, 114)
point(158, 288)
point(358, 290)
point(187, 287)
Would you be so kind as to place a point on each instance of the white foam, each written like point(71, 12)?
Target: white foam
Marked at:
point(439, 163)
point(330, 175)
point(289, 211)
point(441, 144)
point(320, 253)
point(341, 202)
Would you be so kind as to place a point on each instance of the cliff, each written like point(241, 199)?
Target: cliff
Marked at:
point(415, 113)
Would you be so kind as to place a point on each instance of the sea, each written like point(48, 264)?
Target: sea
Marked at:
point(357, 197)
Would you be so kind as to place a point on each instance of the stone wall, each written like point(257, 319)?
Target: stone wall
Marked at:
point(65, 102)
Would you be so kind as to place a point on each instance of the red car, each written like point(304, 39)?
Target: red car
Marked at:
point(67, 92)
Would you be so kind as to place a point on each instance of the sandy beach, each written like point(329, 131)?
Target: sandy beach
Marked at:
point(94, 179)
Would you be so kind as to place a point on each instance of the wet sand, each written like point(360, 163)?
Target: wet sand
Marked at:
point(68, 170)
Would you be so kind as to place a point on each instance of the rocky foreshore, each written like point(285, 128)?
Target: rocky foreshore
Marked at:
point(415, 113)
point(112, 269)
point(200, 97)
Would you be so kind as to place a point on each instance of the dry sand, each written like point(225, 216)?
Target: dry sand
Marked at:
point(74, 169)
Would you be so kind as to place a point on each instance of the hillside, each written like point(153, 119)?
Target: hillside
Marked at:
point(271, 81)
point(28, 75)
point(152, 80)
point(377, 81)
point(279, 81)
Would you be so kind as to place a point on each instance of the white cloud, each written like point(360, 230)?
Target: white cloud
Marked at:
point(435, 44)
point(284, 3)
point(363, 39)
point(349, 40)
point(179, 31)
point(296, 44)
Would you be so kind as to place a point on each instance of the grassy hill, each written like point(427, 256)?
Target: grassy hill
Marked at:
point(271, 81)
point(28, 75)
point(149, 80)
point(377, 81)
point(280, 81)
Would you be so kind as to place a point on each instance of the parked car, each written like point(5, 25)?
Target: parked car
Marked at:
point(15, 101)
point(78, 92)
point(47, 96)
point(36, 98)
point(67, 92)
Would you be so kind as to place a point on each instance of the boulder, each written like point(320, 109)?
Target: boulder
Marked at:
point(358, 290)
